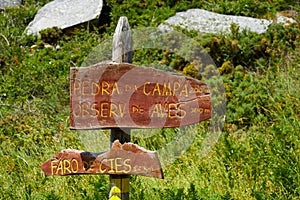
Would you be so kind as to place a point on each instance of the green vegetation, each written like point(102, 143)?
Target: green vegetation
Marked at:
point(257, 155)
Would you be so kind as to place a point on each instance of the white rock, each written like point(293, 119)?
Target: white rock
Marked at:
point(284, 20)
point(64, 14)
point(210, 22)
point(5, 3)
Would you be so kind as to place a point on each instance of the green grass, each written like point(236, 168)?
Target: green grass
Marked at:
point(256, 157)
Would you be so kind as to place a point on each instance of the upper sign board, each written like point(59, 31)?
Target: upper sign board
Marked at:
point(110, 95)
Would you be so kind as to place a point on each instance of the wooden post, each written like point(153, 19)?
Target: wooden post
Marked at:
point(121, 52)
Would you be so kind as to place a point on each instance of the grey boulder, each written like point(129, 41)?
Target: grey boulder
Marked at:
point(6, 3)
point(210, 22)
point(64, 14)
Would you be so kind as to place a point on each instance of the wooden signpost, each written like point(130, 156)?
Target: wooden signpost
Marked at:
point(121, 159)
point(121, 96)
point(121, 52)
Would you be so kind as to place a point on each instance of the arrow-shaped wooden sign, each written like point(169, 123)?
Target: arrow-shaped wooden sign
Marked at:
point(111, 95)
point(125, 159)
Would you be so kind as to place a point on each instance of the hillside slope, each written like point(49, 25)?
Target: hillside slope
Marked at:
point(257, 155)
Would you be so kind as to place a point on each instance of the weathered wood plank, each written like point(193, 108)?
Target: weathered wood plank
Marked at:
point(122, 42)
point(112, 95)
point(121, 159)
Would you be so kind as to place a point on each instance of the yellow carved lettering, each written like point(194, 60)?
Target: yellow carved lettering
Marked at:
point(76, 87)
point(181, 112)
point(78, 109)
point(128, 166)
point(172, 110)
point(167, 91)
point(162, 110)
point(91, 166)
point(156, 89)
point(135, 109)
point(117, 164)
point(156, 111)
point(84, 109)
point(112, 110)
point(176, 86)
point(85, 88)
point(85, 165)
point(95, 112)
point(207, 110)
point(184, 90)
point(74, 169)
point(127, 88)
point(60, 167)
point(115, 88)
point(144, 90)
point(122, 110)
point(53, 166)
point(95, 88)
point(111, 166)
point(105, 87)
point(67, 166)
point(104, 109)
point(200, 110)
point(100, 166)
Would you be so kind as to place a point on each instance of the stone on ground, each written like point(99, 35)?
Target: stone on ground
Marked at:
point(64, 14)
point(210, 22)
point(6, 3)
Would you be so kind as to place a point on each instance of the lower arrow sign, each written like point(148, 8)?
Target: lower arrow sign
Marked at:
point(128, 159)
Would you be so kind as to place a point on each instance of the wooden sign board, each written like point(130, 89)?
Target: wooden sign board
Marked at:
point(125, 159)
point(111, 95)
